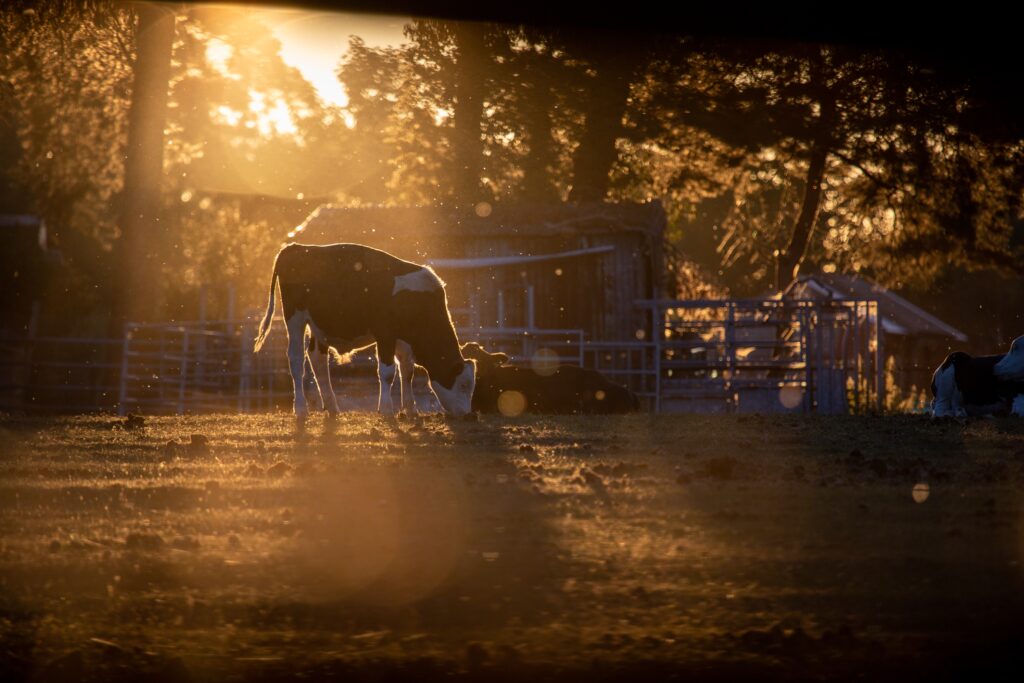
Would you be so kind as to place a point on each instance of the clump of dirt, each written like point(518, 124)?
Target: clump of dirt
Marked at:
point(198, 445)
point(170, 450)
point(722, 467)
point(145, 542)
point(133, 421)
point(279, 469)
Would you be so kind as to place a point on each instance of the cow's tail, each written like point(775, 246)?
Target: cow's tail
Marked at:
point(268, 319)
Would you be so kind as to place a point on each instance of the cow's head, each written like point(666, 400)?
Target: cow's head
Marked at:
point(458, 398)
point(1011, 367)
point(486, 361)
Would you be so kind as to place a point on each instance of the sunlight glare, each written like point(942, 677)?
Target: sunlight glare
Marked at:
point(218, 53)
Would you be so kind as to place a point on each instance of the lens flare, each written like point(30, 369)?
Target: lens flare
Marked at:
point(791, 397)
point(920, 492)
point(511, 403)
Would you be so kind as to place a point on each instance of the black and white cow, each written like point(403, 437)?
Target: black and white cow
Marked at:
point(980, 385)
point(350, 297)
point(565, 389)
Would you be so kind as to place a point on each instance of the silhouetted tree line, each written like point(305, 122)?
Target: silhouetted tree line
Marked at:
point(771, 159)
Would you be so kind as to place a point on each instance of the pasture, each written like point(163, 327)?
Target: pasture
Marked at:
point(692, 547)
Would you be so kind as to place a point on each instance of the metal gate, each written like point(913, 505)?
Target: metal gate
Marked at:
point(767, 355)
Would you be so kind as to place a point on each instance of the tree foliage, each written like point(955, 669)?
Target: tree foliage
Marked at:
point(240, 122)
point(771, 159)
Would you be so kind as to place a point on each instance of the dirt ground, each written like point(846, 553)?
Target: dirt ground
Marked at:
point(231, 548)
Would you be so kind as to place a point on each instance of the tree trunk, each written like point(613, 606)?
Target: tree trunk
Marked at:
point(789, 260)
point(468, 142)
point(538, 167)
point(604, 110)
point(141, 246)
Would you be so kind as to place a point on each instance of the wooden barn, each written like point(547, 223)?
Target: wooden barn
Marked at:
point(521, 267)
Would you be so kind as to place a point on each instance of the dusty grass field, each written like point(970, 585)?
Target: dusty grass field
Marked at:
point(674, 547)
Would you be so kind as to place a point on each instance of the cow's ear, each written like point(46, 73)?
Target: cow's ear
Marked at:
point(499, 358)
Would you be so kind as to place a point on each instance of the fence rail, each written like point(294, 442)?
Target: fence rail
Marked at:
point(761, 355)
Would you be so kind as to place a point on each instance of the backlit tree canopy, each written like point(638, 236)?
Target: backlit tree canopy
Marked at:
point(772, 159)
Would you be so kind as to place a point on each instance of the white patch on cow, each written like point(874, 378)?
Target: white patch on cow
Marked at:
point(1018, 406)
point(1011, 367)
point(459, 399)
point(947, 396)
point(422, 280)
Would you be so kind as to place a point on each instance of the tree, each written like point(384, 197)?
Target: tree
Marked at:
point(65, 79)
point(817, 153)
point(614, 64)
point(142, 234)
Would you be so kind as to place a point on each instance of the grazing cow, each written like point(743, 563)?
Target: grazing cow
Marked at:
point(980, 385)
point(567, 389)
point(350, 297)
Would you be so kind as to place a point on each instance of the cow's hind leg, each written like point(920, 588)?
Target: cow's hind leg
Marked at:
point(296, 324)
point(943, 403)
point(386, 376)
point(407, 370)
point(319, 360)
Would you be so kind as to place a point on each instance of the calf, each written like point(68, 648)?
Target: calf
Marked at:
point(348, 297)
point(980, 385)
point(568, 389)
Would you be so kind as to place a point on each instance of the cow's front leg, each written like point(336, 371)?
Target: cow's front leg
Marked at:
point(297, 360)
point(385, 376)
point(407, 369)
point(957, 402)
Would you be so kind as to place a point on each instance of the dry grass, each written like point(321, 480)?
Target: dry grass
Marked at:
point(573, 548)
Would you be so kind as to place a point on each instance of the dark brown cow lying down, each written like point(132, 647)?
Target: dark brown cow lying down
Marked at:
point(568, 389)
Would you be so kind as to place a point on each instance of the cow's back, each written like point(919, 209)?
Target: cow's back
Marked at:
point(345, 288)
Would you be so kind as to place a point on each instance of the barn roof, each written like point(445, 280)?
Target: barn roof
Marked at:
point(439, 230)
point(899, 316)
point(500, 261)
